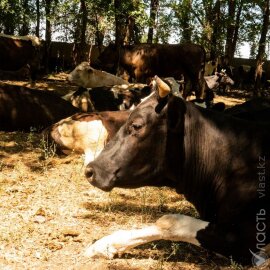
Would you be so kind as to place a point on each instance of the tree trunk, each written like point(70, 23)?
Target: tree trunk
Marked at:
point(48, 34)
point(79, 53)
point(215, 20)
point(261, 51)
point(84, 22)
point(153, 15)
point(24, 30)
point(233, 28)
point(212, 28)
point(130, 37)
point(237, 26)
point(230, 29)
point(99, 35)
point(185, 21)
point(120, 23)
point(38, 19)
point(9, 19)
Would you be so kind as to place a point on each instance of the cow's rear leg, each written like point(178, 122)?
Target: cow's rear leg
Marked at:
point(169, 227)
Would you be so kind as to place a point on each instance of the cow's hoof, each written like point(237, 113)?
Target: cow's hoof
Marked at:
point(100, 250)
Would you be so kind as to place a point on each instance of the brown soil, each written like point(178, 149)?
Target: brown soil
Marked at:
point(50, 213)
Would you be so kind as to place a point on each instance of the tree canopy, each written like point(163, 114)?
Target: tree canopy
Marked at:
point(221, 26)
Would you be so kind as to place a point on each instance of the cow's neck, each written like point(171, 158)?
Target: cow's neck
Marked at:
point(206, 161)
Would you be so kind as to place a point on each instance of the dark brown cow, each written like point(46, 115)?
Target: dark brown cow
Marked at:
point(220, 163)
point(18, 52)
point(23, 108)
point(86, 133)
point(256, 109)
point(143, 61)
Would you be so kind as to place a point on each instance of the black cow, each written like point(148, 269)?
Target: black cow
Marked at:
point(18, 52)
point(142, 61)
point(118, 97)
point(220, 163)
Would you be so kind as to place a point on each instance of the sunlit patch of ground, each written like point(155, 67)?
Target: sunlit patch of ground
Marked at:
point(50, 214)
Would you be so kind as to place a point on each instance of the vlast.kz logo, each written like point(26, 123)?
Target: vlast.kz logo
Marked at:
point(258, 258)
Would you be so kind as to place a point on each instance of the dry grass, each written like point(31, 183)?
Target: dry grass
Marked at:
point(50, 213)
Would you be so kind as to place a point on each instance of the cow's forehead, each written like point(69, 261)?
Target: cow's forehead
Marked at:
point(144, 100)
point(146, 103)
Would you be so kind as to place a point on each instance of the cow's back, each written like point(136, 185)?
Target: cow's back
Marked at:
point(163, 59)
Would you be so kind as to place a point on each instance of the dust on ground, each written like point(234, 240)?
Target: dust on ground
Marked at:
point(50, 213)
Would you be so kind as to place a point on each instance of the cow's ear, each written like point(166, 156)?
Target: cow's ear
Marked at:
point(176, 109)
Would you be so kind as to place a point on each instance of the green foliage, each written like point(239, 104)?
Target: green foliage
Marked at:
point(177, 20)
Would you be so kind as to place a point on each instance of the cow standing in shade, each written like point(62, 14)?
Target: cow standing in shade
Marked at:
point(141, 62)
point(220, 163)
point(18, 52)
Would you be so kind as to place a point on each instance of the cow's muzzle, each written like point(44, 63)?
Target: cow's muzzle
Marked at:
point(89, 173)
point(99, 183)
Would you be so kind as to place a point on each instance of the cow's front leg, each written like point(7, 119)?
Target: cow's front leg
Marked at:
point(168, 227)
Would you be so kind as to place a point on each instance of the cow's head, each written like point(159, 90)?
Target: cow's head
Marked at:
point(133, 96)
point(220, 78)
point(108, 59)
point(81, 74)
point(225, 79)
point(138, 154)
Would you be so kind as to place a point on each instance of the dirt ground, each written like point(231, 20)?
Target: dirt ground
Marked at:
point(50, 213)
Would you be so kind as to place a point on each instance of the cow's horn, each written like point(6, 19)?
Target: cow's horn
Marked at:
point(163, 88)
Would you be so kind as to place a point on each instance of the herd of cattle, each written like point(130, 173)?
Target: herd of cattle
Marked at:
point(218, 157)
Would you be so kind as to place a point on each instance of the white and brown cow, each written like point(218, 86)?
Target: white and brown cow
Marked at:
point(86, 133)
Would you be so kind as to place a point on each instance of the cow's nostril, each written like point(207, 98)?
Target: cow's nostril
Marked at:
point(89, 171)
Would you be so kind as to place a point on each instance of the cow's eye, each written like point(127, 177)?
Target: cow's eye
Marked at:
point(135, 127)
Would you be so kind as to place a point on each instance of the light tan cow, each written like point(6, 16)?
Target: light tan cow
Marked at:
point(86, 76)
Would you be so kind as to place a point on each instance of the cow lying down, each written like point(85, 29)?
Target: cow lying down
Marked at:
point(220, 163)
point(108, 98)
point(22, 108)
point(113, 98)
point(86, 76)
point(256, 109)
point(86, 133)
